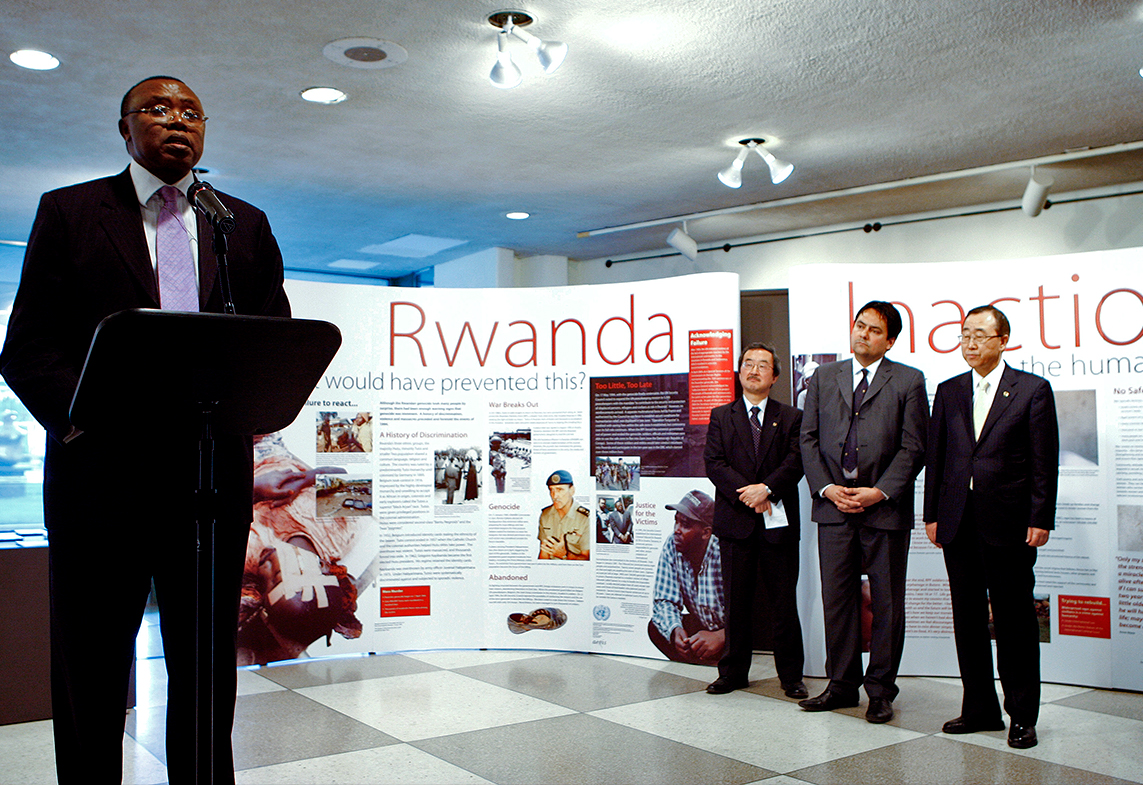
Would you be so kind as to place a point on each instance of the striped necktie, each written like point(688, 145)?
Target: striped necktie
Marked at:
point(849, 457)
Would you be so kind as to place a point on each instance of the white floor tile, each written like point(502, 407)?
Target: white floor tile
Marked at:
point(250, 683)
point(736, 726)
point(150, 682)
point(437, 703)
point(140, 767)
point(1055, 692)
point(28, 754)
point(398, 763)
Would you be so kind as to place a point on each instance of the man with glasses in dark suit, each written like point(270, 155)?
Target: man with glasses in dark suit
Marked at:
point(120, 516)
point(991, 477)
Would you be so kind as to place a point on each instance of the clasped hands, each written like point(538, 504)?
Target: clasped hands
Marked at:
point(756, 497)
point(851, 500)
point(703, 645)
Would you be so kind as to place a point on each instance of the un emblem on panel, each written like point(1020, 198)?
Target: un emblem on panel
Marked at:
point(601, 612)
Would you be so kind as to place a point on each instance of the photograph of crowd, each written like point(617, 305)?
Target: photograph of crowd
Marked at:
point(510, 460)
point(617, 474)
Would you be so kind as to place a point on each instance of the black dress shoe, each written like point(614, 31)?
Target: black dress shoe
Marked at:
point(961, 725)
point(827, 701)
point(795, 689)
point(1022, 736)
point(880, 710)
point(725, 684)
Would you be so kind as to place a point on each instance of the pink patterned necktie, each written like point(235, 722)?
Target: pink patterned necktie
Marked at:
point(178, 289)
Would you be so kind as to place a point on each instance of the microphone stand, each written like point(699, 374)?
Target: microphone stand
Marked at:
point(219, 245)
point(206, 552)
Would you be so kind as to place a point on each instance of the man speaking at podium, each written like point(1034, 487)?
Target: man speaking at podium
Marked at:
point(119, 504)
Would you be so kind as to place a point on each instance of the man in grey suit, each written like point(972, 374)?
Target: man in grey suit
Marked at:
point(991, 479)
point(863, 444)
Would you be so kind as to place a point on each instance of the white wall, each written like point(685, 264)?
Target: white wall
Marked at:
point(542, 271)
point(1100, 224)
point(487, 269)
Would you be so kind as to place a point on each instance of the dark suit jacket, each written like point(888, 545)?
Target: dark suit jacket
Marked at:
point(893, 421)
point(1014, 465)
point(86, 259)
point(731, 464)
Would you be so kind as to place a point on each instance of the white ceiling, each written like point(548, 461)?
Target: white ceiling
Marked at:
point(647, 108)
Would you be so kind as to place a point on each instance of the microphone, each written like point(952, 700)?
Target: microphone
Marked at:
point(206, 201)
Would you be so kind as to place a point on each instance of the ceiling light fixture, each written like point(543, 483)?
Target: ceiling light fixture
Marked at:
point(367, 53)
point(505, 73)
point(908, 182)
point(34, 60)
point(323, 95)
point(731, 176)
point(518, 215)
point(683, 242)
point(1036, 193)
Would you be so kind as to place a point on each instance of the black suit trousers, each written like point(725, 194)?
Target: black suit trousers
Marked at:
point(744, 561)
point(107, 542)
point(1001, 575)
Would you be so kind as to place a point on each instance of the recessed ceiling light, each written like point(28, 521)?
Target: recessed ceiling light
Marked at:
point(323, 95)
point(517, 216)
point(34, 59)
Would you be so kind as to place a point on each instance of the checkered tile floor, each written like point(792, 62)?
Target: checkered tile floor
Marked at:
point(510, 717)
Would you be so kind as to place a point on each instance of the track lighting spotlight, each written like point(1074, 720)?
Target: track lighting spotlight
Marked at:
point(550, 54)
point(505, 74)
point(683, 242)
point(731, 176)
point(1036, 193)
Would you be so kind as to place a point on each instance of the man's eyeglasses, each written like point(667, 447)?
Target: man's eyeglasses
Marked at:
point(977, 338)
point(161, 112)
point(750, 365)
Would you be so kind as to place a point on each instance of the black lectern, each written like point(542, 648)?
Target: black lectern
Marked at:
point(227, 375)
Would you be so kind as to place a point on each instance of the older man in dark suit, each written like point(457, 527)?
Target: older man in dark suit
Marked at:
point(990, 501)
point(863, 444)
point(752, 457)
point(119, 505)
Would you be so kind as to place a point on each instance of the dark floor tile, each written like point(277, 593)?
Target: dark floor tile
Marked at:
point(316, 672)
point(276, 727)
point(583, 682)
point(1117, 702)
point(942, 761)
point(583, 750)
point(272, 727)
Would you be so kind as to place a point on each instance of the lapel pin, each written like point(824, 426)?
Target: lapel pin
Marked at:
point(1005, 393)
